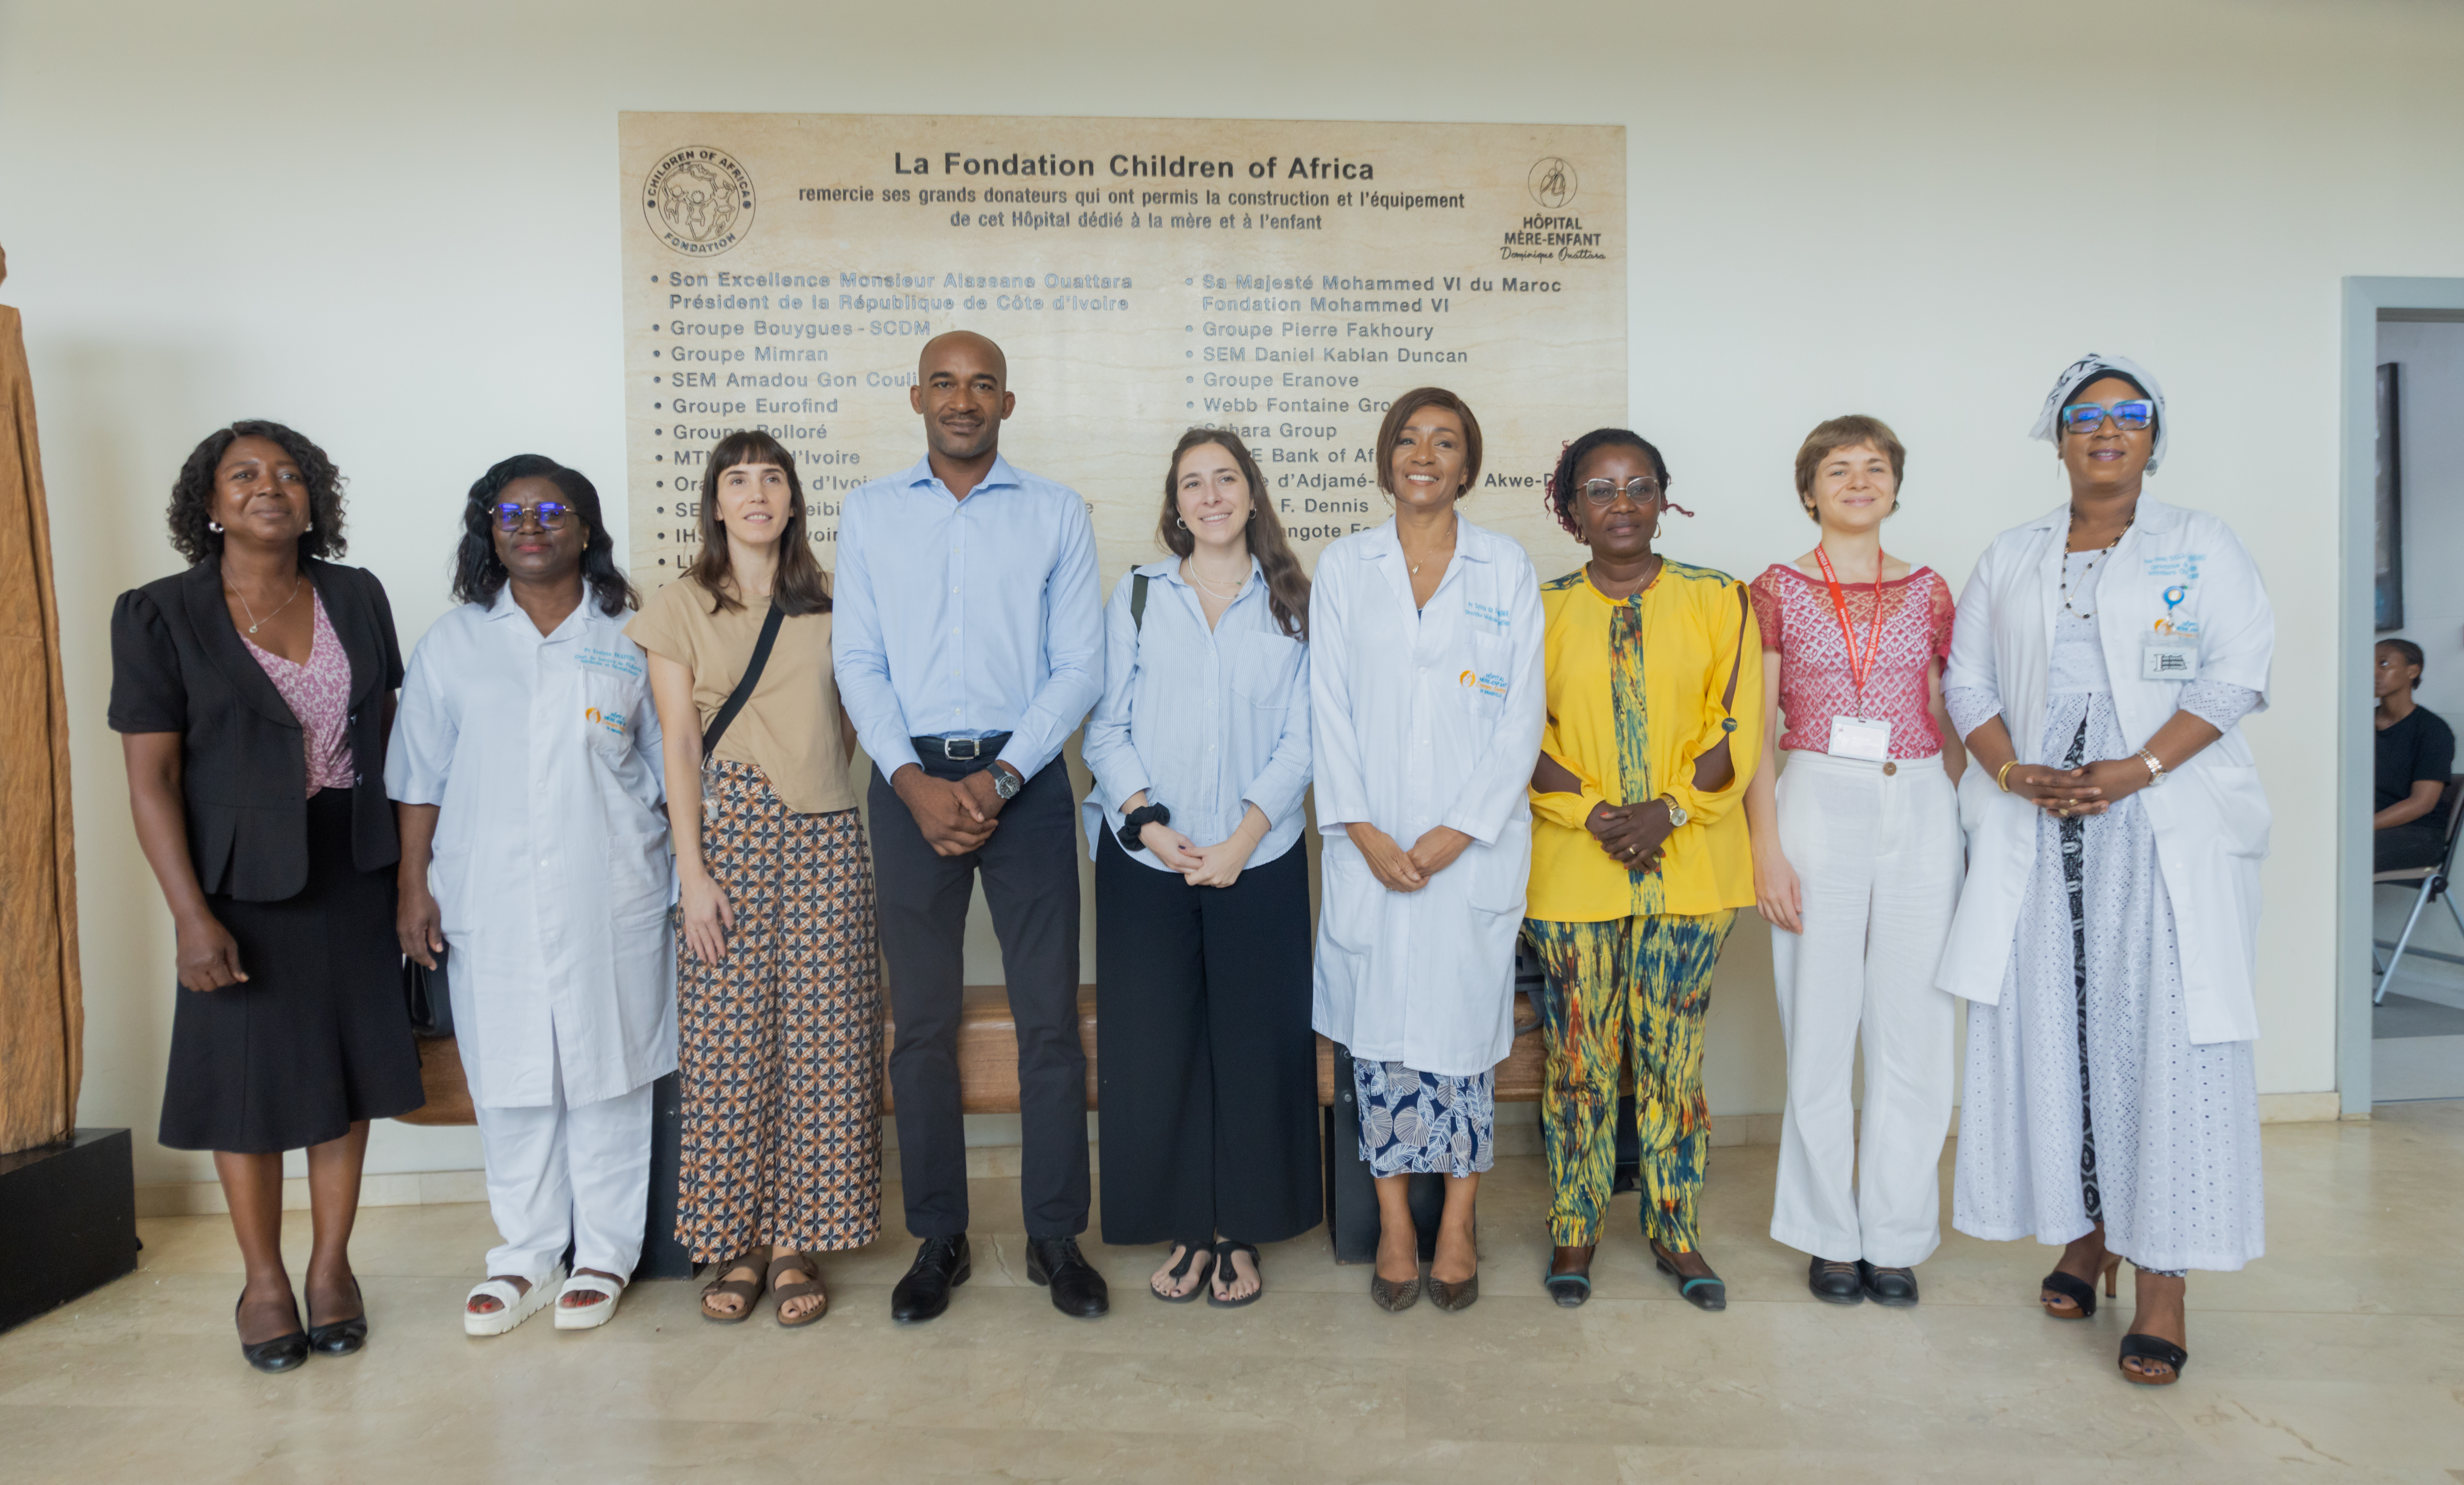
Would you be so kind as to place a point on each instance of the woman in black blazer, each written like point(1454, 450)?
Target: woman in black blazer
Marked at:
point(253, 693)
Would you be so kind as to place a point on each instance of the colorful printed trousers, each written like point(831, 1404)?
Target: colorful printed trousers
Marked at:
point(1639, 983)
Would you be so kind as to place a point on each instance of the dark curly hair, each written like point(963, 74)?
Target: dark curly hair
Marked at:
point(479, 575)
point(192, 495)
point(1559, 491)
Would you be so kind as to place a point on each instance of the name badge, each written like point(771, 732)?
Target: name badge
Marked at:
point(2169, 657)
point(1860, 738)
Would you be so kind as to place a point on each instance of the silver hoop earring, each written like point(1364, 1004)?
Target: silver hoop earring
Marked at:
point(1178, 521)
point(216, 527)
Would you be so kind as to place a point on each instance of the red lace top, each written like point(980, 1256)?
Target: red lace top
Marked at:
point(1815, 680)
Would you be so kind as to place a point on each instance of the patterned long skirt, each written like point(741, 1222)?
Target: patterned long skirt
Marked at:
point(1642, 984)
point(780, 1042)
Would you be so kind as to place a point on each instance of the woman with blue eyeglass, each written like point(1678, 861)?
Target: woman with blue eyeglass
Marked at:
point(525, 772)
point(1200, 752)
point(2101, 660)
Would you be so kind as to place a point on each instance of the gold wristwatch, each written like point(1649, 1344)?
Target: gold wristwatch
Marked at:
point(1677, 816)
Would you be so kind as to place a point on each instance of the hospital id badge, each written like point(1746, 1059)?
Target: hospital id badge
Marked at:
point(1860, 738)
point(2169, 657)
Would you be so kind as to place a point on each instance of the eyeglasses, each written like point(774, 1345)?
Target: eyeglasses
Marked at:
point(2129, 416)
point(552, 515)
point(1642, 490)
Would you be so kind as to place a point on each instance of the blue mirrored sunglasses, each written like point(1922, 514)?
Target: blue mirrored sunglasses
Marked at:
point(552, 515)
point(2129, 416)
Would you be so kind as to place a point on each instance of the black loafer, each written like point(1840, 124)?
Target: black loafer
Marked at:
point(1837, 1283)
point(342, 1337)
point(940, 1266)
point(282, 1353)
point(1077, 1289)
point(1888, 1286)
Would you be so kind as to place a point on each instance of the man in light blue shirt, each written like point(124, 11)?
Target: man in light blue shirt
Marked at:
point(968, 641)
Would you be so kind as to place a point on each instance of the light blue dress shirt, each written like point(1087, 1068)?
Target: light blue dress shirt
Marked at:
point(1208, 722)
point(964, 617)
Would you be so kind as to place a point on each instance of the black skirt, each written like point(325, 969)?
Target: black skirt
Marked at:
point(317, 1038)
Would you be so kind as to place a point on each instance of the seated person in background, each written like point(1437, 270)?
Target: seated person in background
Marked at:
point(2416, 755)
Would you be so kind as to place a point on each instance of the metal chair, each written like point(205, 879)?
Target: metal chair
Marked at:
point(2434, 881)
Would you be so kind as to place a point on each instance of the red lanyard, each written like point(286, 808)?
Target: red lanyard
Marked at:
point(1857, 666)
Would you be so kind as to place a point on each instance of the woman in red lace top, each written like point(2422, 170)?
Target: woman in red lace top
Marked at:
point(1857, 866)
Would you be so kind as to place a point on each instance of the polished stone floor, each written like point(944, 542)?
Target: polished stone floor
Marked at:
point(2338, 1356)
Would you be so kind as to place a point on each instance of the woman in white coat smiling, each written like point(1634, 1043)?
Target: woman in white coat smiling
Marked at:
point(526, 777)
point(1426, 709)
point(2102, 658)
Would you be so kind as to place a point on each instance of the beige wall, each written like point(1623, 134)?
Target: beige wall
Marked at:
point(396, 230)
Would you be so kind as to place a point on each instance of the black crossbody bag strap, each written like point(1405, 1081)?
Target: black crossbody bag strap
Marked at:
point(1138, 603)
point(743, 692)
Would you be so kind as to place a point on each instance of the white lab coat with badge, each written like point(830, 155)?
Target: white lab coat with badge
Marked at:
point(1421, 720)
point(2210, 816)
point(551, 868)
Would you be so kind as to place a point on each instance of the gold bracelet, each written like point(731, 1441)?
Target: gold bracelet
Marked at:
point(2002, 776)
point(2155, 766)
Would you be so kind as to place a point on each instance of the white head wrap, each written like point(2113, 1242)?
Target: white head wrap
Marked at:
point(2086, 370)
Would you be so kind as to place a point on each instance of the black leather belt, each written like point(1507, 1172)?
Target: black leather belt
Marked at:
point(961, 750)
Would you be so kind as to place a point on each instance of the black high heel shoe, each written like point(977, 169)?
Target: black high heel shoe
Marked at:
point(282, 1353)
point(2080, 1294)
point(2164, 1353)
point(342, 1337)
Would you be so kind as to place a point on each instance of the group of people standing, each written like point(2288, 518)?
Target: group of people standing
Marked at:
point(580, 804)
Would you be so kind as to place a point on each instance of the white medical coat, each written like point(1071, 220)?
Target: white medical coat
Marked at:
point(551, 868)
point(1421, 720)
point(2211, 816)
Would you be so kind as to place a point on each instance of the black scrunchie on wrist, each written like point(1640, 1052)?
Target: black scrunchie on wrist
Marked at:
point(1138, 820)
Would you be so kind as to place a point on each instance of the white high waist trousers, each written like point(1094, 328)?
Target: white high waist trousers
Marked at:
point(559, 1173)
point(1878, 857)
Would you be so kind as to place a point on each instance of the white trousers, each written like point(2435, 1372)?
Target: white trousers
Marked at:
point(564, 1174)
point(1878, 859)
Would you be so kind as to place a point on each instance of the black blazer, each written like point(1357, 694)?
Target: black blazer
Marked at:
point(179, 666)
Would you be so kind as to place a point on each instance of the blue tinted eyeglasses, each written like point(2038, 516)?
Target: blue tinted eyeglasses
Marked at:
point(552, 515)
point(2129, 416)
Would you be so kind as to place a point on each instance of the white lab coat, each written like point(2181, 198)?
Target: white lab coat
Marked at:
point(2211, 816)
point(551, 868)
point(1421, 720)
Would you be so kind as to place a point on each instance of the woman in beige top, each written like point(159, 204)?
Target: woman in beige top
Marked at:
point(778, 1005)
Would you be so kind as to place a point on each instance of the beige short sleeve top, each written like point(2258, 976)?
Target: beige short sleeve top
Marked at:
point(789, 730)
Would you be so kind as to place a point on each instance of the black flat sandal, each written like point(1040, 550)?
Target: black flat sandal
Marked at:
point(342, 1337)
point(282, 1353)
point(1190, 1253)
point(1709, 1292)
point(2151, 1349)
point(1224, 1251)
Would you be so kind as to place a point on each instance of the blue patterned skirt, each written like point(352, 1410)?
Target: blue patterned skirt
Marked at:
point(1424, 1124)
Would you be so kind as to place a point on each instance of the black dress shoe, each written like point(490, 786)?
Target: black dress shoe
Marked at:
point(282, 1353)
point(342, 1337)
point(1888, 1286)
point(1077, 1289)
point(1835, 1282)
point(940, 1266)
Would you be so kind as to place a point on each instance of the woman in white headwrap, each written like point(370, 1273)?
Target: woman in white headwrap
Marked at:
point(2102, 658)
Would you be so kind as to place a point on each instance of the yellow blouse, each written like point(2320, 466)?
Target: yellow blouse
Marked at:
point(1637, 691)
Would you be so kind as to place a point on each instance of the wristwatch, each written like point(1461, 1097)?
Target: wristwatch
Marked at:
point(1006, 782)
point(1138, 820)
point(1677, 815)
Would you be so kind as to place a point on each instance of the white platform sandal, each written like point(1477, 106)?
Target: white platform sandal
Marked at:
point(516, 1306)
point(588, 1316)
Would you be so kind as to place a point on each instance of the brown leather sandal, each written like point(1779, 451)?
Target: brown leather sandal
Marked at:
point(748, 1290)
point(800, 1265)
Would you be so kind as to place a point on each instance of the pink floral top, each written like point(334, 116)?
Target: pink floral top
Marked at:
point(319, 693)
point(1815, 680)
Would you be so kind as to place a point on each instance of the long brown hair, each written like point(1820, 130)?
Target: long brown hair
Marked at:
point(1287, 587)
point(799, 586)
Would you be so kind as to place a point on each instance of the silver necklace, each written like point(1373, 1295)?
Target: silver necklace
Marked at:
point(2091, 563)
point(255, 624)
point(1189, 569)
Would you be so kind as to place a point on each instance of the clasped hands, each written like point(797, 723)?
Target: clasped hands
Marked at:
point(956, 816)
point(1401, 870)
point(2067, 793)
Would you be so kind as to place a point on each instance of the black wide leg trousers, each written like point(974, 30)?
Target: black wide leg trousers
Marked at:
point(1030, 868)
point(1207, 1082)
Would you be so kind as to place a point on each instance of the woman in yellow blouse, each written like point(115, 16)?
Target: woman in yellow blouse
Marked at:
point(1639, 853)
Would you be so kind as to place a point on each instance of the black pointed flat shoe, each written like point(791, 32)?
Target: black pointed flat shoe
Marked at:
point(282, 1353)
point(1707, 1292)
point(1574, 1286)
point(1835, 1283)
point(1393, 1295)
point(342, 1337)
point(1894, 1287)
point(1453, 1298)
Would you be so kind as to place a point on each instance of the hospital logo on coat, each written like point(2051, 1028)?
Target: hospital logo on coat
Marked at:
point(608, 717)
point(698, 200)
point(1485, 684)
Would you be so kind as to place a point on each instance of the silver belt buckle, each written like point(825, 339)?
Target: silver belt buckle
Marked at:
point(973, 746)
